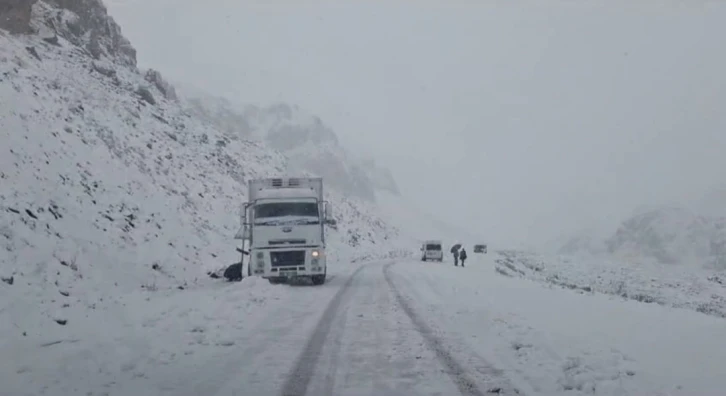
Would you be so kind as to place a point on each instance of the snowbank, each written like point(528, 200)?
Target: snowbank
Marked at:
point(688, 287)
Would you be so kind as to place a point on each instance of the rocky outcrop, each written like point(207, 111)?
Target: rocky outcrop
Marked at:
point(307, 142)
point(154, 77)
point(15, 15)
point(218, 111)
point(86, 23)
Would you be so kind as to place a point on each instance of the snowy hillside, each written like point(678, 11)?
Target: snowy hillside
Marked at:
point(672, 235)
point(663, 255)
point(664, 235)
point(109, 186)
point(306, 141)
point(645, 281)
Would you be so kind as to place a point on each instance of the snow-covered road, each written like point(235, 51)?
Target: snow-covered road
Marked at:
point(380, 328)
point(355, 336)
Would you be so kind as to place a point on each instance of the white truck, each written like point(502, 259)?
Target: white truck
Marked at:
point(283, 225)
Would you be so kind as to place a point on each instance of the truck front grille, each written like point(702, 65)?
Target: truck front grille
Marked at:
point(289, 258)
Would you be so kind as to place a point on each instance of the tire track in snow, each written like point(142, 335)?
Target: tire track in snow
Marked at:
point(466, 385)
point(299, 378)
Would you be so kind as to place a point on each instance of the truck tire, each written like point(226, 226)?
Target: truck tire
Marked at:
point(318, 279)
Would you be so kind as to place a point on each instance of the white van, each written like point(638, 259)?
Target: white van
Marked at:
point(432, 251)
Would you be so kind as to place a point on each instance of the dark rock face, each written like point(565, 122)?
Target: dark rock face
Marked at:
point(15, 15)
point(166, 89)
point(86, 23)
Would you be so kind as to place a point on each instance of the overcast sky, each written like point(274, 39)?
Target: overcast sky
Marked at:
point(522, 121)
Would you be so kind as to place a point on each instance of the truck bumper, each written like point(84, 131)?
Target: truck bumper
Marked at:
point(287, 262)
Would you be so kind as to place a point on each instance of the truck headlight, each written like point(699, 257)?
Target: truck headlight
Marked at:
point(315, 253)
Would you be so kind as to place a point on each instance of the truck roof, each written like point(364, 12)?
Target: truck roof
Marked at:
point(286, 193)
point(286, 187)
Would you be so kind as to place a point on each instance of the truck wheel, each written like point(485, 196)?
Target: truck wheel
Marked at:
point(318, 279)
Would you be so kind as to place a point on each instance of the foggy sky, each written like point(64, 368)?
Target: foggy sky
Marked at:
point(522, 122)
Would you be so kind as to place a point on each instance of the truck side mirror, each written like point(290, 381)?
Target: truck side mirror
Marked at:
point(243, 213)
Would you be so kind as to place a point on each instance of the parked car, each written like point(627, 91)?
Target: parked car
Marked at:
point(480, 248)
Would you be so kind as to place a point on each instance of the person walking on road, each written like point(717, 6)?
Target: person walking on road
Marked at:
point(462, 256)
point(455, 251)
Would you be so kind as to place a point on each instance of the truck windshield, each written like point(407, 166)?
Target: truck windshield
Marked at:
point(286, 212)
point(432, 246)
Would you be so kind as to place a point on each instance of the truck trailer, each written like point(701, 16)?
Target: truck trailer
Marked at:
point(283, 227)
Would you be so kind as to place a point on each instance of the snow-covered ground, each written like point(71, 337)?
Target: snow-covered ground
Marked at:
point(553, 341)
point(690, 287)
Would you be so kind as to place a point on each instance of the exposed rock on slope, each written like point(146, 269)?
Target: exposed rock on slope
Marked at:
point(15, 15)
point(306, 141)
point(86, 24)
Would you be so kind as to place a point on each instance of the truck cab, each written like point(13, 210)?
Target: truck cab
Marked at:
point(432, 251)
point(283, 224)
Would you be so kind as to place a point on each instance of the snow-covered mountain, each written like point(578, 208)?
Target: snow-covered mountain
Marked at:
point(670, 235)
point(108, 183)
point(305, 140)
